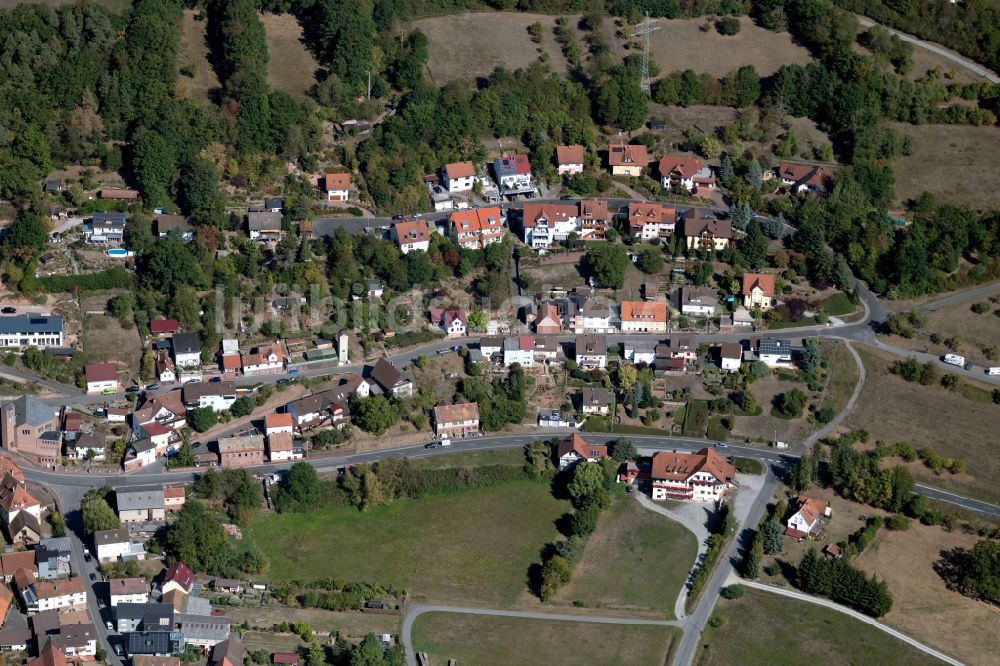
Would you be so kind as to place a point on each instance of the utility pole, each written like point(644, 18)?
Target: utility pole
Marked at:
point(644, 29)
point(369, 84)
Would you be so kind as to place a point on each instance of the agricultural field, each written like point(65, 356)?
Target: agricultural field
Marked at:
point(934, 145)
point(200, 82)
point(895, 410)
point(763, 628)
point(498, 39)
point(636, 560)
point(480, 639)
point(291, 66)
point(682, 44)
point(469, 546)
point(923, 604)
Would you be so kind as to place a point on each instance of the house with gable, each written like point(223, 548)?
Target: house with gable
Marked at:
point(685, 174)
point(458, 176)
point(643, 317)
point(391, 380)
point(545, 224)
point(458, 420)
point(574, 449)
point(647, 221)
point(264, 225)
point(627, 160)
point(806, 178)
point(337, 186)
point(410, 235)
point(594, 219)
point(265, 360)
point(807, 519)
point(758, 291)
point(513, 173)
point(703, 476)
point(592, 351)
point(703, 231)
point(569, 159)
point(453, 322)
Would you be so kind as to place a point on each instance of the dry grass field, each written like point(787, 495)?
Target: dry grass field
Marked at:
point(766, 629)
point(923, 606)
point(194, 54)
point(937, 145)
point(895, 410)
point(651, 554)
point(291, 67)
point(681, 44)
point(104, 339)
point(974, 332)
point(470, 45)
point(355, 625)
point(483, 641)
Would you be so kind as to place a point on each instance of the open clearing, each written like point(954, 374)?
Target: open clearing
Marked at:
point(935, 145)
point(470, 45)
point(895, 410)
point(481, 639)
point(681, 44)
point(104, 339)
point(194, 54)
point(635, 560)
point(354, 625)
point(923, 606)
point(468, 546)
point(974, 332)
point(763, 628)
point(290, 66)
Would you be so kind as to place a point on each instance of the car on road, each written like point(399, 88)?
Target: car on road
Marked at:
point(8, 310)
point(215, 379)
point(132, 389)
point(721, 445)
point(152, 387)
point(111, 627)
point(566, 198)
point(284, 382)
point(397, 218)
point(970, 365)
point(109, 391)
point(93, 576)
point(102, 604)
point(431, 445)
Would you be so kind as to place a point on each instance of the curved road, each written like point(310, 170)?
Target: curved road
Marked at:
point(959, 60)
point(861, 617)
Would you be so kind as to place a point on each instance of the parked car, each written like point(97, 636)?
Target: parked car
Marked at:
point(108, 391)
point(93, 576)
point(721, 445)
point(215, 379)
point(8, 310)
point(152, 387)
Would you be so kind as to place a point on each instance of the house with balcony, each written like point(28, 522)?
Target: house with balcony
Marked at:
point(106, 229)
point(220, 396)
point(643, 317)
point(475, 228)
point(688, 175)
point(569, 159)
point(758, 291)
point(596, 401)
point(627, 160)
point(593, 315)
point(806, 178)
point(519, 349)
point(459, 420)
point(31, 331)
point(410, 235)
point(513, 174)
point(775, 353)
point(458, 176)
point(545, 224)
point(592, 351)
point(647, 221)
point(702, 476)
point(703, 231)
point(594, 219)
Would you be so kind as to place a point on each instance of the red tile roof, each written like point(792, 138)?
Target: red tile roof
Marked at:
point(643, 311)
point(569, 155)
point(101, 372)
point(463, 411)
point(412, 231)
point(763, 280)
point(681, 466)
point(639, 213)
point(460, 170)
point(181, 575)
point(627, 155)
point(278, 421)
point(685, 167)
point(576, 443)
point(164, 326)
point(337, 181)
point(551, 212)
point(811, 508)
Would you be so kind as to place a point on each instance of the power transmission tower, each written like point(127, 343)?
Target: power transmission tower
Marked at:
point(644, 30)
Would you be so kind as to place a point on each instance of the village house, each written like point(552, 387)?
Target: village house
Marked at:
point(519, 349)
point(242, 451)
point(807, 519)
point(166, 373)
point(410, 235)
point(101, 377)
point(265, 360)
point(59, 593)
point(337, 186)
point(807, 178)
point(547, 349)
point(229, 652)
point(140, 453)
point(148, 616)
point(490, 346)
point(274, 204)
point(703, 231)
point(54, 556)
point(128, 591)
point(775, 353)
point(569, 159)
point(647, 221)
point(459, 176)
point(596, 401)
point(546, 224)
point(178, 577)
point(459, 420)
point(703, 476)
point(140, 504)
point(174, 498)
point(106, 229)
point(15, 499)
point(166, 409)
point(592, 351)
point(686, 174)
point(203, 631)
point(758, 291)
point(574, 449)
point(593, 316)
point(220, 396)
point(627, 160)
point(87, 446)
point(594, 219)
point(78, 641)
point(164, 224)
point(475, 228)
point(643, 317)
point(730, 356)
point(548, 322)
point(699, 301)
point(31, 331)
point(20, 560)
point(452, 322)
point(391, 380)
point(186, 349)
point(158, 434)
point(311, 410)
point(279, 423)
point(31, 428)
point(643, 351)
point(263, 225)
point(513, 174)
point(281, 446)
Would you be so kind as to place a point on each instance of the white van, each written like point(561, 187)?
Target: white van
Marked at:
point(954, 359)
point(445, 442)
point(993, 371)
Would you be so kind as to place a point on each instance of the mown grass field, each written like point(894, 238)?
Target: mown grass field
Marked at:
point(895, 410)
point(767, 629)
point(484, 641)
point(636, 560)
point(475, 546)
point(194, 56)
point(291, 67)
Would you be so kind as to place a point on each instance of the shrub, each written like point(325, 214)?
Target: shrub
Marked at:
point(734, 591)
point(981, 308)
point(772, 569)
point(899, 522)
point(728, 25)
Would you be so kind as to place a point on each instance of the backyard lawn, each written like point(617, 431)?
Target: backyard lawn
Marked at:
point(484, 640)
point(636, 560)
point(474, 546)
point(764, 628)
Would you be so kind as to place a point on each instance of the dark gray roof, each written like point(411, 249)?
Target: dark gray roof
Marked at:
point(768, 346)
point(386, 374)
point(192, 392)
point(56, 545)
point(152, 642)
point(146, 497)
point(186, 343)
point(152, 615)
point(274, 202)
point(212, 627)
point(111, 536)
point(46, 622)
point(15, 636)
point(596, 397)
point(116, 220)
point(592, 344)
point(32, 411)
point(31, 324)
point(259, 220)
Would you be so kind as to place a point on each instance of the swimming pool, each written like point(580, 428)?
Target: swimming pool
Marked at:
point(119, 252)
